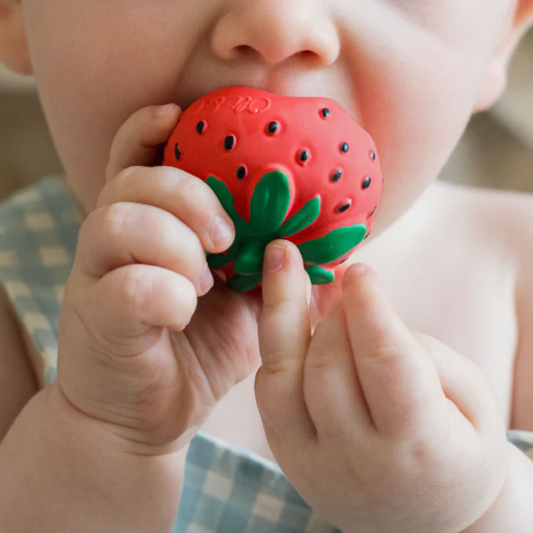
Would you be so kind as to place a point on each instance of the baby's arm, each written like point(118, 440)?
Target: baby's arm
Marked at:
point(512, 510)
point(62, 472)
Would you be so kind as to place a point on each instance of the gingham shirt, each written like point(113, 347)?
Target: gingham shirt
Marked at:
point(226, 488)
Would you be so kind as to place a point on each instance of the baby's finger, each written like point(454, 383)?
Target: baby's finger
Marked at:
point(130, 301)
point(138, 141)
point(180, 193)
point(284, 334)
point(128, 233)
point(463, 383)
point(331, 386)
point(399, 381)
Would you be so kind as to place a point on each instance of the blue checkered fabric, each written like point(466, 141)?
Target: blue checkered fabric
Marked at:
point(226, 488)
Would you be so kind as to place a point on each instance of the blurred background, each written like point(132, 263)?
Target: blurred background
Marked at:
point(496, 151)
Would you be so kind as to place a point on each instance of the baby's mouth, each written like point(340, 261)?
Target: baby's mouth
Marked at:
point(269, 87)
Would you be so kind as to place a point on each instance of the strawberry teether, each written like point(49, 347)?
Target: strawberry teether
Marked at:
point(283, 167)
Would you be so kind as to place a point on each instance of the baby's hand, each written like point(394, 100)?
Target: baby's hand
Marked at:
point(131, 354)
point(377, 428)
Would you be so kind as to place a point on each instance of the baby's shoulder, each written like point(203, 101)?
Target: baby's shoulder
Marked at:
point(497, 227)
point(502, 219)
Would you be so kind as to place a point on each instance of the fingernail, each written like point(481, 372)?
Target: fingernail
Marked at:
point(221, 234)
point(354, 271)
point(165, 110)
point(207, 280)
point(274, 257)
point(358, 269)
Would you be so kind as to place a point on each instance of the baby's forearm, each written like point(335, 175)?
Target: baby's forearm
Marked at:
point(60, 473)
point(512, 511)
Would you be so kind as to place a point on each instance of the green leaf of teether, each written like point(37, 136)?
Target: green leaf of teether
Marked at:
point(224, 196)
point(218, 260)
point(244, 283)
point(302, 219)
point(249, 259)
point(319, 275)
point(270, 202)
point(228, 203)
point(221, 260)
point(333, 245)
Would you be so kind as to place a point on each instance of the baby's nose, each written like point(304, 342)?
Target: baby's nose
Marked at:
point(277, 30)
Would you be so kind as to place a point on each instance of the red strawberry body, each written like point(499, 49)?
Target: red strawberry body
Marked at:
point(283, 167)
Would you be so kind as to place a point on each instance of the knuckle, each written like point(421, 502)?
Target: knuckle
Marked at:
point(113, 218)
point(420, 450)
point(283, 302)
point(191, 248)
point(275, 364)
point(103, 222)
point(319, 360)
point(199, 195)
point(383, 350)
point(116, 186)
point(126, 172)
point(188, 298)
point(135, 287)
point(120, 181)
point(187, 303)
point(409, 422)
point(192, 189)
point(183, 245)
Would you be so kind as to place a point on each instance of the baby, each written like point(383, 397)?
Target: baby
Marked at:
point(397, 398)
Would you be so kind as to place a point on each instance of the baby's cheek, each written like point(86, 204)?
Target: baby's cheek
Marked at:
point(418, 85)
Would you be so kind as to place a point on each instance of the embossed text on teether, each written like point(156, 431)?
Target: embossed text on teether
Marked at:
point(241, 104)
point(252, 105)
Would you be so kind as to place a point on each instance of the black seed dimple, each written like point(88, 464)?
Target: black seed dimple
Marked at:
point(373, 155)
point(241, 172)
point(273, 128)
point(343, 261)
point(372, 212)
point(343, 207)
point(366, 183)
point(367, 235)
point(345, 147)
point(229, 142)
point(177, 152)
point(325, 113)
point(337, 175)
point(304, 155)
point(200, 127)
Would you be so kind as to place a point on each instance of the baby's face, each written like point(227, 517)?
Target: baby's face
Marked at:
point(408, 71)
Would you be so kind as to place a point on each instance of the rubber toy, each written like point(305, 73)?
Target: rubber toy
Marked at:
point(282, 167)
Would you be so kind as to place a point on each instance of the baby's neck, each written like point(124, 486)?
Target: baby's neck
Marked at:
point(403, 233)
